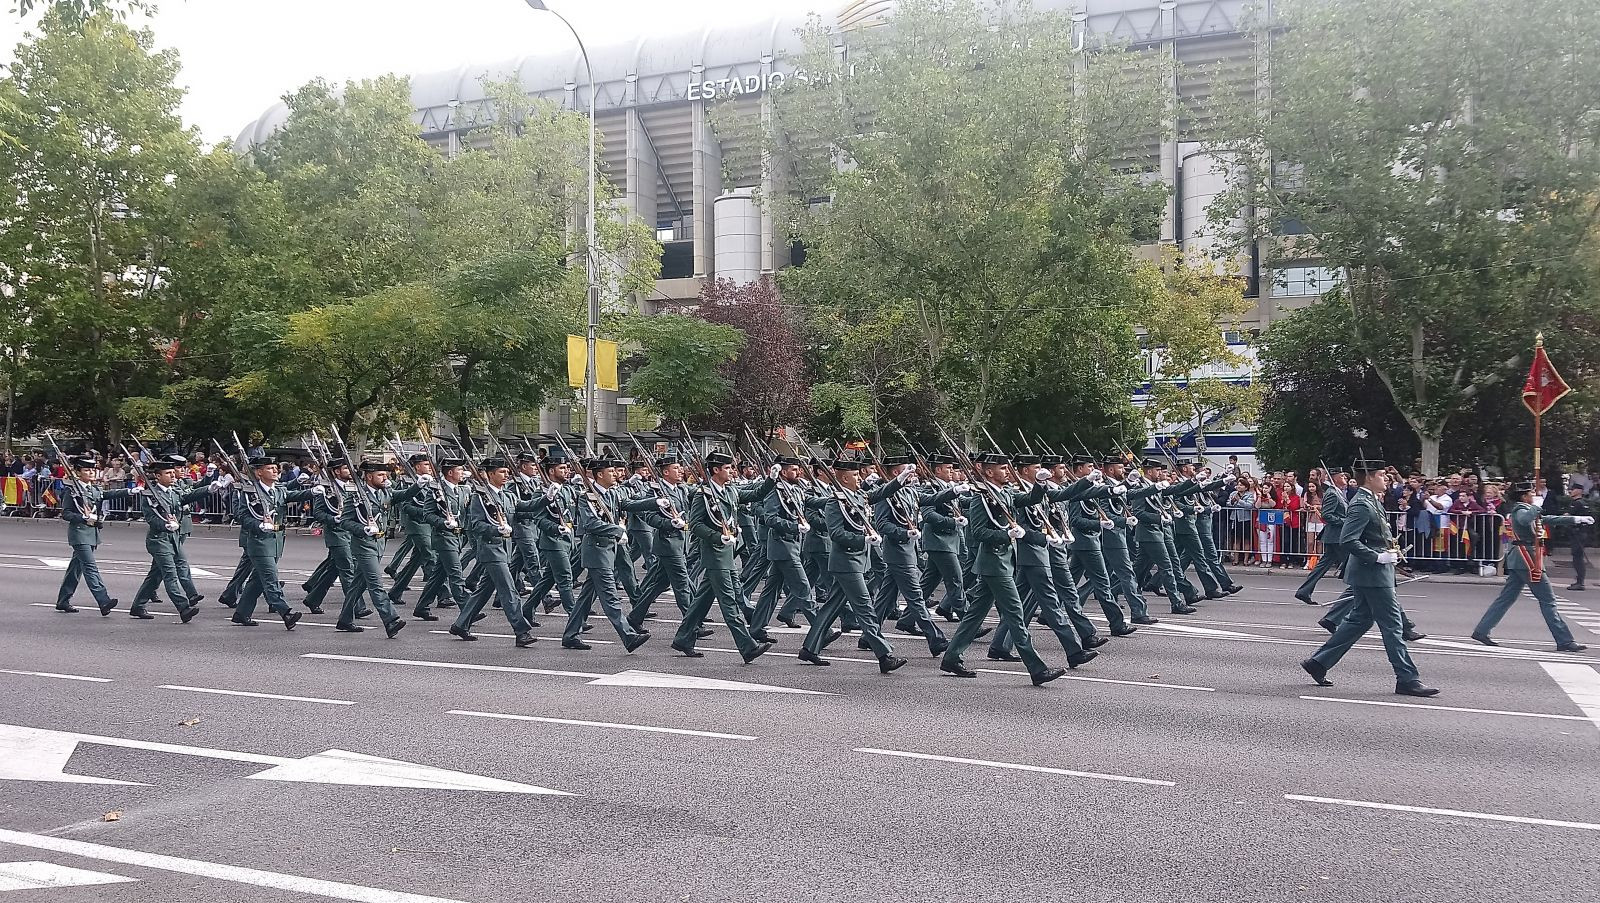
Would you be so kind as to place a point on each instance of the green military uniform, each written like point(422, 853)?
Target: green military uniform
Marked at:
point(1154, 536)
point(524, 523)
point(669, 567)
point(555, 522)
point(942, 527)
point(417, 545)
point(783, 516)
point(489, 514)
point(260, 511)
point(1034, 576)
point(992, 536)
point(714, 521)
point(161, 506)
point(1370, 572)
point(1333, 510)
point(1116, 542)
point(896, 515)
point(814, 550)
point(188, 493)
point(365, 519)
point(1205, 527)
point(445, 516)
point(327, 509)
point(602, 547)
point(1091, 522)
point(1187, 513)
point(1525, 568)
point(850, 534)
point(80, 508)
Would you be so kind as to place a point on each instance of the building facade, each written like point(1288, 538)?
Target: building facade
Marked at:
point(654, 93)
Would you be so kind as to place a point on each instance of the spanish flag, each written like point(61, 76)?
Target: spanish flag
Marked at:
point(1545, 386)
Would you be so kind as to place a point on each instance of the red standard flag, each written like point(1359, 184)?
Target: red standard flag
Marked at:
point(1545, 386)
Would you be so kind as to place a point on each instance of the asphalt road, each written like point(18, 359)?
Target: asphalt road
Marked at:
point(1192, 761)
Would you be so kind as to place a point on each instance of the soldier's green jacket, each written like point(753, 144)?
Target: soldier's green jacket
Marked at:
point(1333, 511)
point(1525, 520)
point(1365, 534)
point(488, 509)
point(162, 503)
point(644, 507)
point(895, 513)
point(941, 532)
point(374, 506)
point(849, 518)
point(1185, 521)
point(816, 502)
point(713, 509)
point(987, 527)
point(80, 499)
point(455, 497)
point(599, 526)
point(327, 509)
point(556, 519)
point(264, 504)
point(1155, 512)
point(782, 512)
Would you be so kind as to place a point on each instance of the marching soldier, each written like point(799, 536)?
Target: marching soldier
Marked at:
point(446, 518)
point(80, 508)
point(641, 536)
point(896, 515)
point(1525, 568)
point(714, 521)
point(417, 547)
point(524, 523)
point(1206, 508)
point(670, 567)
point(1187, 512)
point(1332, 509)
point(365, 518)
point(783, 514)
point(260, 509)
point(992, 532)
point(1116, 543)
point(489, 514)
point(188, 492)
point(943, 524)
point(327, 509)
point(555, 520)
point(1369, 570)
point(1154, 537)
point(814, 550)
point(162, 504)
point(600, 532)
point(850, 535)
point(1091, 523)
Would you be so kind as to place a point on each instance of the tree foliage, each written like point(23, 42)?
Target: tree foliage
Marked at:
point(683, 357)
point(1448, 172)
point(767, 381)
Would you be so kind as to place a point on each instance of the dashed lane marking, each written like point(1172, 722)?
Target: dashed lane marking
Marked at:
point(1581, 682)
point(1445, 708)
point(1449, 813)
point(42, 875)
point(93, 680)
point(1014, 766)
point(221, 692)
point(644, 728)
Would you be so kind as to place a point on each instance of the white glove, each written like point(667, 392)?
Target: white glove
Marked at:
point(566, 531)
point(1096, 475)
point(319, 489)
point(679, 523)
point(1015, 532)
point(727, 540)
point(171, 526)
point(552, 492)
point(91, 519)
point(663, 504)
point(576, 479)
point(803, 527)
point(1119, 489)
point(1041, 475)
point(371, 529)
point(504, 530)
point(1205, 473)
point(874, 538)
point(424, 478)
point(1583, 519)
point(1387, 557)
point(1215, 507)
point(1056, 540)
point(622, 540)
point(451, 523)
point(1131, 521)
point(1106, 525)
point(913, 534)
point(135, 489)
point(961, 520)
point(962, 488)
point(268, 526)
point(775, 471)
point(1164, 484)
point(1166, 518)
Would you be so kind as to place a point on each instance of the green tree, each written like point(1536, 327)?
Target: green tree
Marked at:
point(1449, 174)
point(986, 199)
point(1200, 380)
point(98, 144)
point(682, 358)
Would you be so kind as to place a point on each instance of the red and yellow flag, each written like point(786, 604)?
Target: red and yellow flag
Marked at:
point(1545, 386)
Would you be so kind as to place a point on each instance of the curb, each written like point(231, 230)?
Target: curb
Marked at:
point(199, 529)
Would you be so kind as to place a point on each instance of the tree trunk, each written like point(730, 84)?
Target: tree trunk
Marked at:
point(1430, 452)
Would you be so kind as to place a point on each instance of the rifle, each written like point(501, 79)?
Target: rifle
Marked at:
point(144, 478)
point(847, 506)
point(658, 486)
point(600, 509)
point(256, 503)
point(320, 454)
point(981, 483)
point(80, 487)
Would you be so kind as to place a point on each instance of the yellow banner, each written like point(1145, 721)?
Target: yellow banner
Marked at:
point(605, 361)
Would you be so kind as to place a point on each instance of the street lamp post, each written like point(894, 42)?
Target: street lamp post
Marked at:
point(589, 388)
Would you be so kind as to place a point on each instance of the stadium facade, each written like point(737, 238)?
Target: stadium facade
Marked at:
point(654, 94)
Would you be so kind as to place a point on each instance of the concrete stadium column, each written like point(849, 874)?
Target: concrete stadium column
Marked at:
point(639, 199)
point(706, 159)
point(771, 256)
point(1169, 146)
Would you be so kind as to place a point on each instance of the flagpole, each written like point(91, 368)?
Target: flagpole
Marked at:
point(1538, 474)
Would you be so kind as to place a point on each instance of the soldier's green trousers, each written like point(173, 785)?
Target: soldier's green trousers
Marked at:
point(165, 554)
point(1154, 555)
point(366, 556)
point(719, 585)
point(999, 593)
point(848, 590)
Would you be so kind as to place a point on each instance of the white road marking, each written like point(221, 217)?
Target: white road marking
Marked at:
point(1198, 631)
point(255, 695)
point(94, 680)
point(1581, 682)
point(1453, 813)
point(690, 682)
point(1103, 680)
point(59, 564)
point(1014, 766)
point(1478, 647)
point(35, 754)
point(1446, 708)
point(626, 727)
point(336, 890)
point(40, 875)
point(464, 666)
point(202, 572)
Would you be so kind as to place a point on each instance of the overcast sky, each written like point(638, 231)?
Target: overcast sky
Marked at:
point(240, 56)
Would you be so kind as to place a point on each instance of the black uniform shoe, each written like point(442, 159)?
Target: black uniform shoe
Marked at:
point(812, 658)
point(226, 602)
point(756, 653)
point(762, 637)
point(1095, 642)
point(532, 623)
point(394, 627)
point(424, 616)
point(550, 605)
point(862, 645)
point(463, 633)
point(890, 663)
point(1328, 625)
point(348, 628)
point(314, 609)
point(67, 608)
point(1082, 658)
point(1145, 620)
point(446, 604)
point(1577, 587)
point(1236, 588)
point(982, 633)
point(947, 614)
point(1412, 634)
point(586, 628)
point(524, 640)
point(188, 614)
point(246, 622)
point(141, 614)
point(937, 650)
point(1045, 677)
point(703, 632)
point(635, 641)
point(364, 613)
point(1414, 688)
point(1317, 671)
point(580, 645)
point(956, 670)
point(1305, 598)
point(108, 607)
point(688, 652)
point(479, 616)
point(1216, 594)
point(911, 627)
point(1571, 647)
point(1185, 610)
point(290, 618)
point(1158, 591)
point(197, 598)
point(1003, 657)
point(1124, 630)
point(790, 623)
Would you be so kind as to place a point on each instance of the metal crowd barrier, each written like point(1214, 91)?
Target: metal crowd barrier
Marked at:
point(1273, 537)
